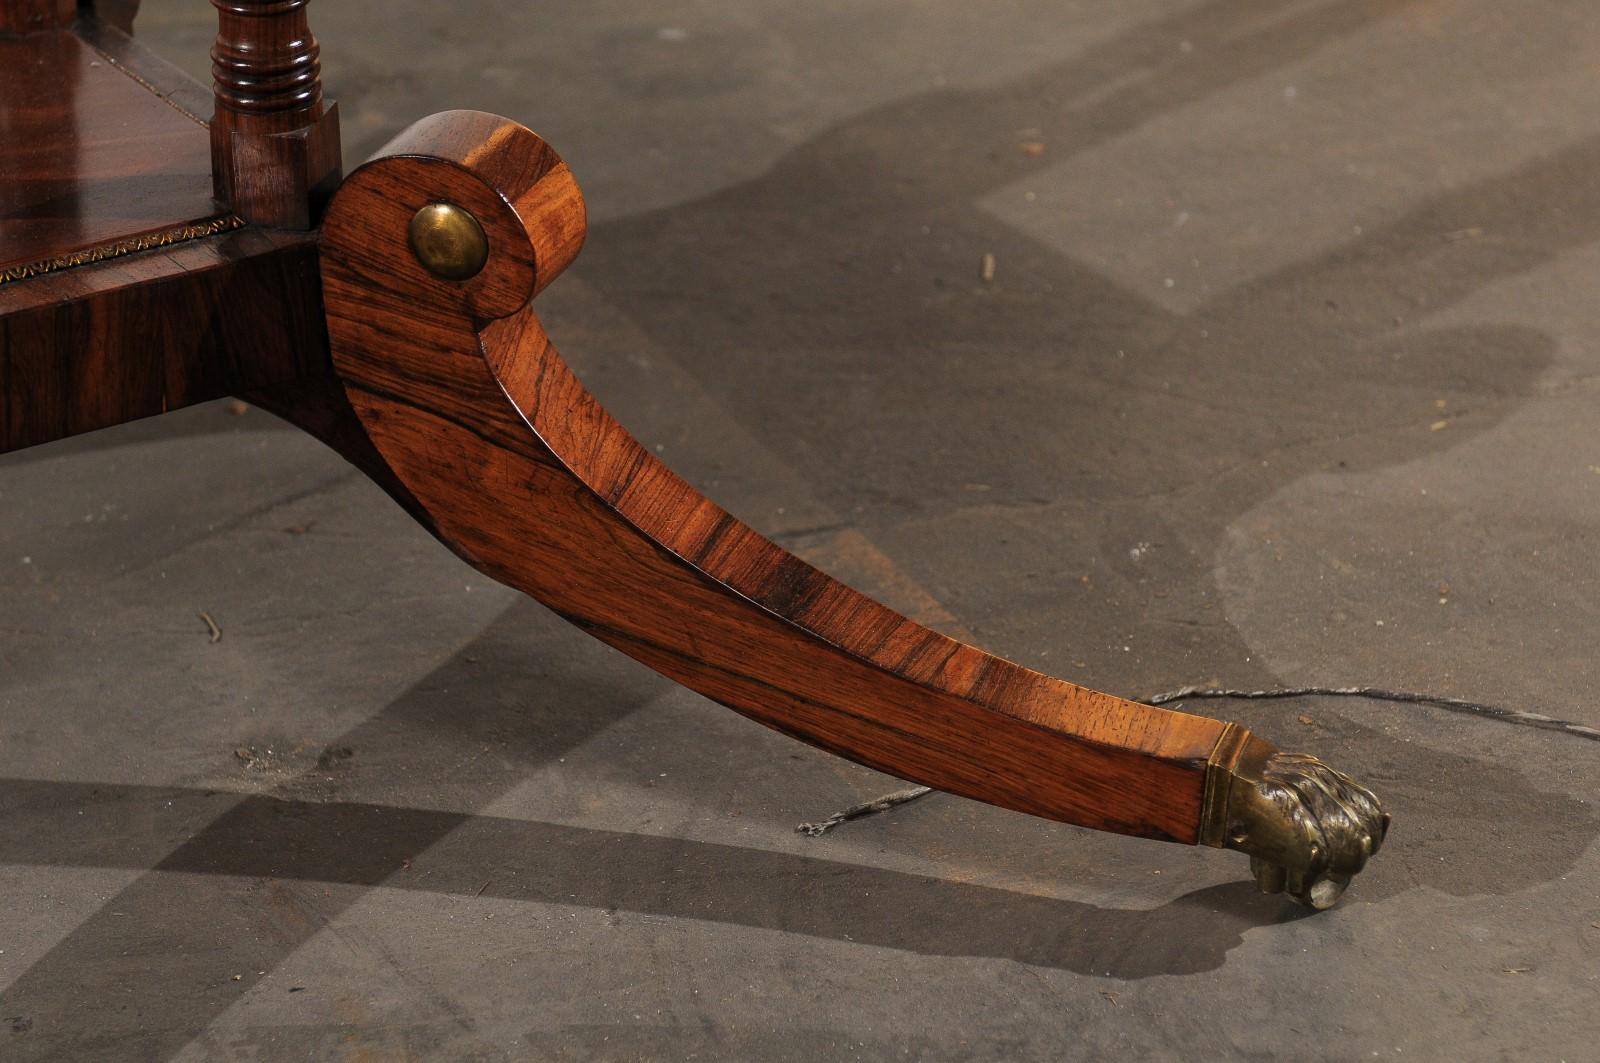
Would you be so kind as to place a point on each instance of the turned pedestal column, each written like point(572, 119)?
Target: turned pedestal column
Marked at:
point(274, 139)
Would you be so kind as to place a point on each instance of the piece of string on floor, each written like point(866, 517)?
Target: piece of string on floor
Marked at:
point(1198, 693)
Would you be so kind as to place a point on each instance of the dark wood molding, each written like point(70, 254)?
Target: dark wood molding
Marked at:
point(133, 337)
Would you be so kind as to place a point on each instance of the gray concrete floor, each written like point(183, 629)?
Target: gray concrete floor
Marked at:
point(1286, 374)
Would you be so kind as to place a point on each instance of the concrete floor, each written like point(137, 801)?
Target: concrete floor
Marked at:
point(1286, 374)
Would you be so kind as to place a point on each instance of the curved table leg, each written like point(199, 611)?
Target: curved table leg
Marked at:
point(431, 254)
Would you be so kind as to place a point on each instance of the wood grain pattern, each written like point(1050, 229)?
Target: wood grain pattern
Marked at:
point(91, 153)
point(523, 473)
point(103, 155)
point(274, 140)
point(133, 337)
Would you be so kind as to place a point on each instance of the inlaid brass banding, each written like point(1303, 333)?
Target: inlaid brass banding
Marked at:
point(118, 248)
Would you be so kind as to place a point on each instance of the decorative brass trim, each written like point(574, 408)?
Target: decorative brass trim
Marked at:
point(1307, 828)
point(118, 248)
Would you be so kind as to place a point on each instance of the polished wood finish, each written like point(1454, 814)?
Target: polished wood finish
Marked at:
point(34, 16)
point(92, 161)
point(158, 76)
point(274, 140)
point(448, 393)
point(137, 336)
point(523, 474)
point(115, 301)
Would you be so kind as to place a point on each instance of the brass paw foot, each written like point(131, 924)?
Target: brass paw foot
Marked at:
point(1307, 828)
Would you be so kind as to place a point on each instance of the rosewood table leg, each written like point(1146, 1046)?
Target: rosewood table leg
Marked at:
point(431, 254)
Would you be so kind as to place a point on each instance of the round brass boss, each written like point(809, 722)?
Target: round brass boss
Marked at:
point(449, 241)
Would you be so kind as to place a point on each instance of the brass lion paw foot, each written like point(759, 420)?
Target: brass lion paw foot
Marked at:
point(1307, 828)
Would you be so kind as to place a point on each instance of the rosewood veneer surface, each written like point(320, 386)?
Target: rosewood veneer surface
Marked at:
point(485, 835)
point(116, 304)
point(93, 158)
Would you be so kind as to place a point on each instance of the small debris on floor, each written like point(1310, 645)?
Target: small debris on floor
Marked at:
point(1307, 720)
point(1033, 148)
point(986, 268)
point(1109, 995)
point(211, 625)
point(237, 408)
point(334, 755)
point(257, 759)
point(300, 529)
point(1518, 970)
point(869, 808)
